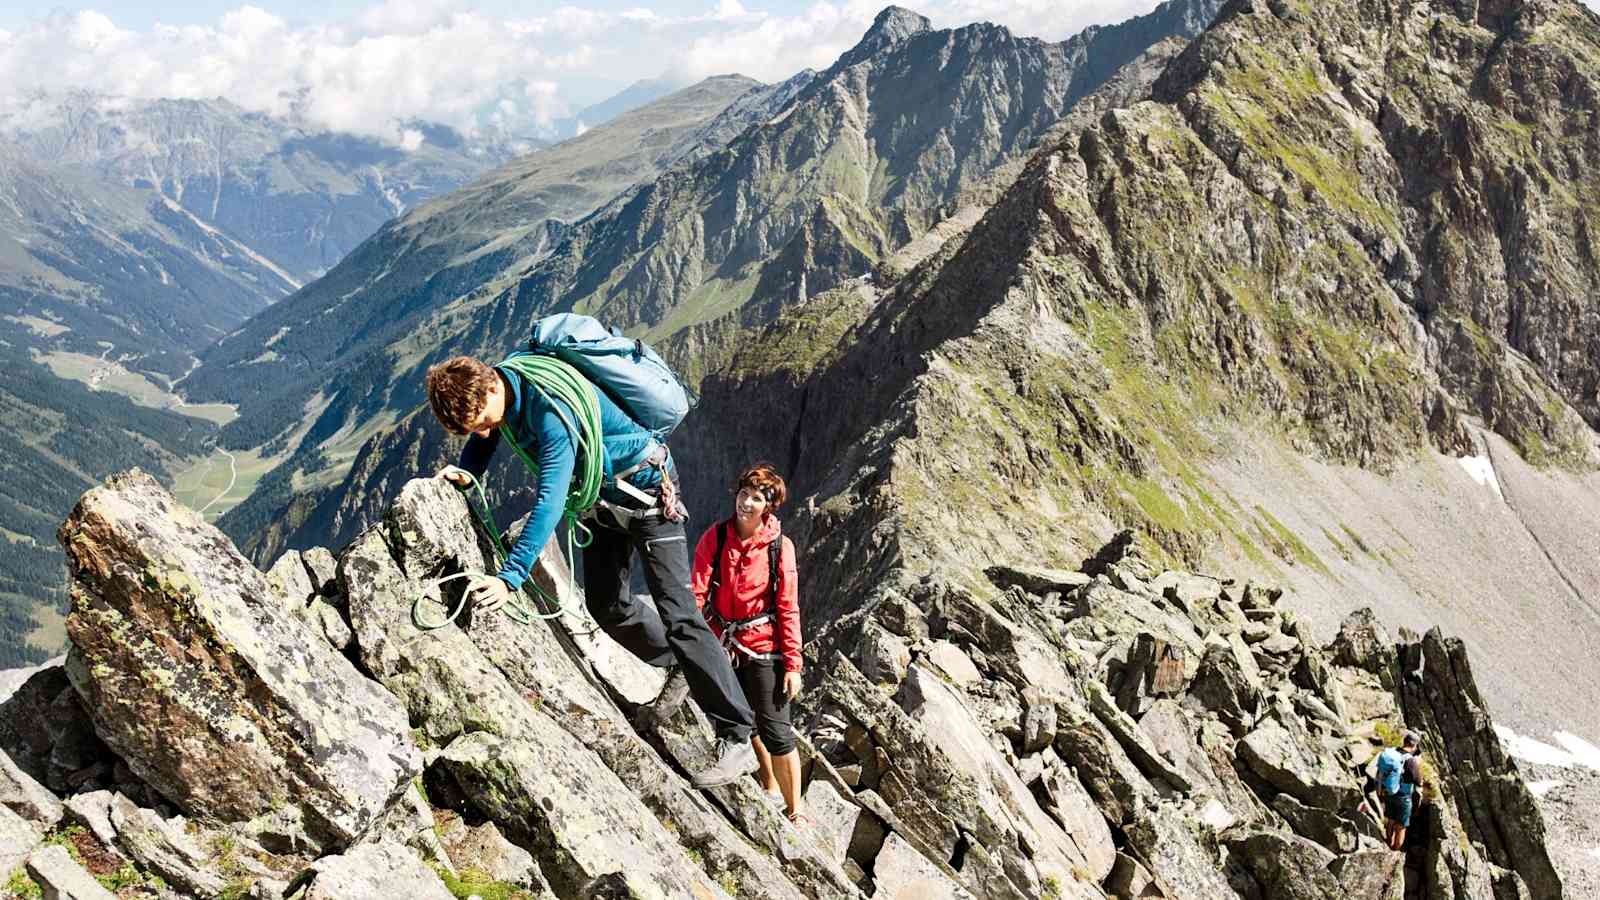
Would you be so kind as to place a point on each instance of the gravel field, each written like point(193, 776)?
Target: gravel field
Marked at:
point(1503, 555)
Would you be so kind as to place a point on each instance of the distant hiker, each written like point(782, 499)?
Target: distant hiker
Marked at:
point(636, 510)
point(1399, 776)
point(745, 580)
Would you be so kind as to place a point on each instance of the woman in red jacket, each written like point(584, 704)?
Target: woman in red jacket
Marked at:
point(757, 619)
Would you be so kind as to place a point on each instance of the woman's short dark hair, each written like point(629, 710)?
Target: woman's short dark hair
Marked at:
point(763, 477)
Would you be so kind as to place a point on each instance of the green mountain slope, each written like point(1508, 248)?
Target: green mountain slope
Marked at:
point(131, 236)
point(858, 163)
point(1342, 252)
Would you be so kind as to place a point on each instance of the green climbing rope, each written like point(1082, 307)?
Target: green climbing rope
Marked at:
point(555, 380)
point(515, 609)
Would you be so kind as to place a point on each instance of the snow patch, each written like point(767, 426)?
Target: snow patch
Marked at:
point(1585, 753)
point(410, 139)
point(1481, 470)
point(1540, 788)
point(1537, 752)
point(1573, 752)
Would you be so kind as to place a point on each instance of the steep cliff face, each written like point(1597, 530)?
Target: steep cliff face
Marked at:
point(1258, 264)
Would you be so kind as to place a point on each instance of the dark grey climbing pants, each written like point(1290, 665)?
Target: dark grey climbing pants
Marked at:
point(674, 631)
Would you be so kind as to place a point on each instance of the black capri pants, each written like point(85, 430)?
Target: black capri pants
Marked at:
point(762, 681)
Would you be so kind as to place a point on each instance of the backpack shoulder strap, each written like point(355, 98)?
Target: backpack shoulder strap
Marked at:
point(774, 569)
point(716, 565)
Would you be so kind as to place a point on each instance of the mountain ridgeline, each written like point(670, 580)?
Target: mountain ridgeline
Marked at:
point(133, 234)
point(174, 220)
point(851, 165)
point(1338, 250)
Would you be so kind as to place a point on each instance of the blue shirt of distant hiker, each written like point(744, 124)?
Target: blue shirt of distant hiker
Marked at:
point(532, 419)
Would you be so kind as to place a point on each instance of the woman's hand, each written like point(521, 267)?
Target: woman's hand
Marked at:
point(456, 476)
point(791, 684)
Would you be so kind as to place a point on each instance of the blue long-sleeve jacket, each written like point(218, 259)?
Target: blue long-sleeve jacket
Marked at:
point(532, 419)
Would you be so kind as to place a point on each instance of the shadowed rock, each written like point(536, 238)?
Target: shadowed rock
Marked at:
point(1440, 697)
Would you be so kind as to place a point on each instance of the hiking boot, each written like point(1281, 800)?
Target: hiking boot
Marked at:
point(734, 758)
point(654, 714)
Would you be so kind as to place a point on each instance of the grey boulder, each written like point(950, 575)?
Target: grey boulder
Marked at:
point(211, 692)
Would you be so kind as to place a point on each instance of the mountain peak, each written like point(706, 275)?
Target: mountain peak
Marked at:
point(894, 24)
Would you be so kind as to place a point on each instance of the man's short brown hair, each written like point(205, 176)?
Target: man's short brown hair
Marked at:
point(764, 477)
point(458, 388)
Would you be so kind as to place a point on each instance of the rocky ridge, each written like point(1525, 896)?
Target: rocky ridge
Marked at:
point(1113, 731)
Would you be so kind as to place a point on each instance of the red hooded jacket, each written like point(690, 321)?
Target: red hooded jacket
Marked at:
point(743, 590)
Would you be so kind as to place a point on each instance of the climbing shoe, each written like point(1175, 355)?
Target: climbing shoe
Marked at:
point(734, 758)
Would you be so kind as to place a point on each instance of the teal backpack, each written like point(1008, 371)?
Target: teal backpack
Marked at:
point(628, 370)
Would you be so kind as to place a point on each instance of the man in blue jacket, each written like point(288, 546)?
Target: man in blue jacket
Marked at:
point(1399, 773)
point(638, 512)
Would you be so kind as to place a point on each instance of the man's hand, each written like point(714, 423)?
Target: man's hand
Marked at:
point(791, 684)
point(456, 476)
point(488, 594)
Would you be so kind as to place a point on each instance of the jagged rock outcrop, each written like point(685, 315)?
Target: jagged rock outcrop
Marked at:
point(1439, 695)
point(195, 676)
point(1198, 803)
point(992, 760)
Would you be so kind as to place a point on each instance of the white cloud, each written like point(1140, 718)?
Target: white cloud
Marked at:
point(440, 60)
point(773, 47)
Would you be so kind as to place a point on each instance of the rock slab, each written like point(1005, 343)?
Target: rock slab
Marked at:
point(214, 695)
